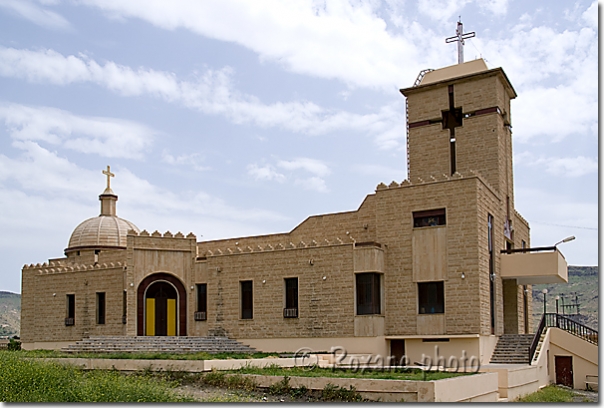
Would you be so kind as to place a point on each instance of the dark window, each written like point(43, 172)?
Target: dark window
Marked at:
point(431, 297)
point(100, 308)
point(247, 300)
point(124, 306)
point(202, 302)
point(291, 297)
point(70, 318)
point(368, 293)
point(429, 218)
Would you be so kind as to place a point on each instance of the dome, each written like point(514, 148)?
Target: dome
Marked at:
point(102, 231)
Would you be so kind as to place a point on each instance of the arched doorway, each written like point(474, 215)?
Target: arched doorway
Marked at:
point(161, 306)
point(160, 309)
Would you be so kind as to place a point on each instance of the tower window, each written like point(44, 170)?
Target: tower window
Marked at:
point(247, 300)
point(429, 218)
point(368, 293)
point(430, 296)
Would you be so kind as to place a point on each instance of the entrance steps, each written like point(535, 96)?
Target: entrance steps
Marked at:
point(512, 349)
point(158, 344)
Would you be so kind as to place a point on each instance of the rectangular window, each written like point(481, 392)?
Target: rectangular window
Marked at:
point(124, 306)
point(100, 308)
point(202, 302)
point(368, 293)
point(247, 300)
point(291, 298)
point(430, 296)
point(429, 218)
point(70, 312)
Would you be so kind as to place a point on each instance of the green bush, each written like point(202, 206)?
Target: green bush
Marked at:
point(334, 393)
point(29, 380)
point(280, 387)
point(14, 345)
point(551, 393)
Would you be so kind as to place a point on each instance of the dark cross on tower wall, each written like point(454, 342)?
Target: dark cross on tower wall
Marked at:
point(459, 38)
point(452, 118)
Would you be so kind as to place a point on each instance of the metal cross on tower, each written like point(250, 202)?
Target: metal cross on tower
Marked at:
point(460, 37)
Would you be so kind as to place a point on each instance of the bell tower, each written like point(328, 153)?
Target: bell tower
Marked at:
point(458, 121)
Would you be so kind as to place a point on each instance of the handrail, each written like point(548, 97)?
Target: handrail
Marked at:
point(576, 328)
point(535, 341)
point(564, 323)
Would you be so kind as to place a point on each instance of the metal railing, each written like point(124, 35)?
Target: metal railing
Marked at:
point(69, 321)
point(535, 341)
point(200, 316)
point(564, 323)
point(290, 312)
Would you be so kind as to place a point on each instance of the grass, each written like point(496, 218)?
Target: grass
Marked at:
point(399, 374)
point(551, 393)
point(26, 380)
point(146, 356)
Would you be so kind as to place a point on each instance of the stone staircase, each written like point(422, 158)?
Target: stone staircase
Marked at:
point(160, 344)
point(512, 349)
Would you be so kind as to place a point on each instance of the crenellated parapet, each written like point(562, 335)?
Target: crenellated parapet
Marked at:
point(279, 246)
point(433, 179)
point(157, 234)
point(53, 267)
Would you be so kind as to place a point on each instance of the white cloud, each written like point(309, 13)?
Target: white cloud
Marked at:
point(497, 7)
point(559, 166)
point(212, 93)
point(192, 160)
point(591, 15)
point(266, 172)
point(36, 14)
point(313, 166)
point(298, 169)
point(441, 10)
point(106, 137)
point(295, 34)
point(313, 183)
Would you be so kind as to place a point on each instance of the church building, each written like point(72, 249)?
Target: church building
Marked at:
point(440, 258)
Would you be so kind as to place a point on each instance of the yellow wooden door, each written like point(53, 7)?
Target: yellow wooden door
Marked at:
point(150, 309)
point(171, 317)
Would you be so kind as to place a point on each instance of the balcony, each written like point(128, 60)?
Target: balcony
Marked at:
point(534, 265)
point(200, 316)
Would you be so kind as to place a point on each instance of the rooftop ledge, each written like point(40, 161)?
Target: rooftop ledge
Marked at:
point(534, 265)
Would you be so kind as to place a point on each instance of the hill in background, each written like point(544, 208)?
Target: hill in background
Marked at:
point(582, 288)
point(10, 313)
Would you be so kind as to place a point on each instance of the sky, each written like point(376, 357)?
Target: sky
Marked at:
point(232, 118)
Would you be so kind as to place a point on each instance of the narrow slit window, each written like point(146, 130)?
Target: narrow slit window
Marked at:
point(70, 310)
point(100, 308)
point(291, 298)
point(247, 300)
point(202, 302)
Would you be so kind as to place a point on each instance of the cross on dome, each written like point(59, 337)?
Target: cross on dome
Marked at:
point(109, 174)
point(459, 37)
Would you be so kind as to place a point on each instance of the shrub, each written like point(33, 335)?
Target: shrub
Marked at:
point(281, 387)
point(14, 345)
point(334, 393)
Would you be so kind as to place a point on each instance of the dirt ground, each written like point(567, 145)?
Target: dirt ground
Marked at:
point(204, 392)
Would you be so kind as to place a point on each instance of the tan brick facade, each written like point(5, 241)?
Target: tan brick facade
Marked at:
point(326, 252)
